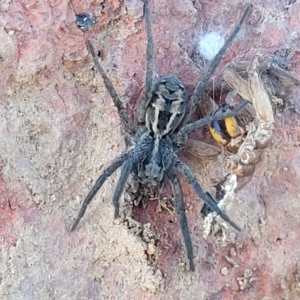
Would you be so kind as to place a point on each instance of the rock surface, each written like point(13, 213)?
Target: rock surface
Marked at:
point(59, 129)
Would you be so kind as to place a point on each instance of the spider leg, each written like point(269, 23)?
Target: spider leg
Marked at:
point(196, 97)
point(141, 108)
point(180, 210)
point(106, 173)
point(126, 122)
point(181, 137)
point(190, 177)
point(125, 172)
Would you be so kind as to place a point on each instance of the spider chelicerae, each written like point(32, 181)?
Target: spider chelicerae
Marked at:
point(162, 126)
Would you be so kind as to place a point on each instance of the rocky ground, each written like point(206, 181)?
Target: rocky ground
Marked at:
point(59, 129)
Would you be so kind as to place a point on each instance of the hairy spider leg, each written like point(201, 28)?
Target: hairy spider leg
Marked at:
point(142, 105)
point(188, 128)
point(125, 120)
point(125, 172)
point(196, 97)
point(190, 177)
point(106, 173)
point(180, 210)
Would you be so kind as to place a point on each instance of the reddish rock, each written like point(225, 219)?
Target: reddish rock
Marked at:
point(59, 129)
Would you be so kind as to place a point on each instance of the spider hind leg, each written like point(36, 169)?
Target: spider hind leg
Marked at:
point(180, 210)
point(190, 177)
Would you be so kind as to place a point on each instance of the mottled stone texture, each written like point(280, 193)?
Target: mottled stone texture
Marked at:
point(59, 128)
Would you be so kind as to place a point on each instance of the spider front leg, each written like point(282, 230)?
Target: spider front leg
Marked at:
point(190, 177)
point(141, 108)
point(106, 173)
point(196, 97)
point(181, 137)
point(180, 210)
point(126, 122)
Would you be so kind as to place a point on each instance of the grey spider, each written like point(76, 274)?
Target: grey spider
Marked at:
point(162, 119)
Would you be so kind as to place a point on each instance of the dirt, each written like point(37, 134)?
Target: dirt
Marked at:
point(59, 130)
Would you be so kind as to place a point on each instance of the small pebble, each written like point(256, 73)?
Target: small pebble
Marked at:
point(85, 21)
point(224, 271)
point(151, 249)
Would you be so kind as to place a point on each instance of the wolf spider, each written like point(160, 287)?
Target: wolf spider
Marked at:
point(162, 119)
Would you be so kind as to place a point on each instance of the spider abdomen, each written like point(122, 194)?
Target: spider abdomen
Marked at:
point(167, 106)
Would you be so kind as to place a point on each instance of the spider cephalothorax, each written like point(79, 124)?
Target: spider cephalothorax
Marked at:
point(162, 117)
